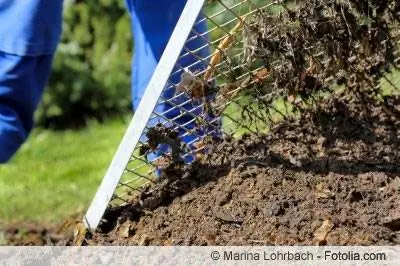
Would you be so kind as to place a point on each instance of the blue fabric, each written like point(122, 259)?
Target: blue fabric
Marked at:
point(29, 33)
point(152, 25)
point(30, 27)
point(22, 80)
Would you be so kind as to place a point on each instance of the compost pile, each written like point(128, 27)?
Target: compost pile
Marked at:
point(326, 173)
point(330, 177)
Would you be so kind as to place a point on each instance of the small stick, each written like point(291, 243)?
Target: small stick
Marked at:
point(216, 58)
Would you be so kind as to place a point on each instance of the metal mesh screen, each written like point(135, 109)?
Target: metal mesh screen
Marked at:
point(225, 65)
point(266, 59)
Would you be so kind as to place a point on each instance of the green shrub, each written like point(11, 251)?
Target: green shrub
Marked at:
point(91, 70)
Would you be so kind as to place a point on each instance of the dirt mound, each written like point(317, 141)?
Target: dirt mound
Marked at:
point(34, 234)
point(329, 177)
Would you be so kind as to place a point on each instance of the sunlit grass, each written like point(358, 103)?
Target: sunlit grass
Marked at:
point(55, 174)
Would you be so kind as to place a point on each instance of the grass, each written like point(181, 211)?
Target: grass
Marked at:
point(55, 174)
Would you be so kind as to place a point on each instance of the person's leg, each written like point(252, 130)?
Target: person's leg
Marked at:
point(29, 34)
point(153, 23)
point(30, 27)
point(22, 79)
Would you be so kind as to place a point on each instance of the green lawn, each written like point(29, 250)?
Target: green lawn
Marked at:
point(55, 174)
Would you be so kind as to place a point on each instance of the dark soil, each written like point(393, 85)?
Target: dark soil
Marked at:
point(34, 234)
point(330, 177)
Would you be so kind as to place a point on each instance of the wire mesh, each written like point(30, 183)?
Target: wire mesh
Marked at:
point(222, 18)
point(266, 59)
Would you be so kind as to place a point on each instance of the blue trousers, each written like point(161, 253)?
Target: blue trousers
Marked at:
point(22, 79)
point(29, 34)
point(25, 68)
point(152, 25)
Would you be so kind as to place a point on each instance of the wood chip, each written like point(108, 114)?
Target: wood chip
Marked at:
point(321, 233)
point(323, 193)
point(79, 234)
point(124, 230)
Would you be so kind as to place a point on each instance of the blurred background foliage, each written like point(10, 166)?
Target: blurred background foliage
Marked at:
point(91, 71)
